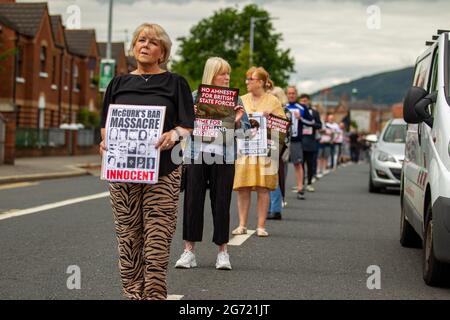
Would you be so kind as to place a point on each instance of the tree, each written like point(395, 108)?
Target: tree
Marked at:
point(226, 34)
point(90, 119)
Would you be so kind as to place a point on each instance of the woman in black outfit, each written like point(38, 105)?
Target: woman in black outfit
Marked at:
point(145, 214)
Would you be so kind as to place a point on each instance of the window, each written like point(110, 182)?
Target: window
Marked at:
point(43, 58)
point(19, 62)
point(447, 71)
point(422, 72)
point(434, 79)
point(395, 133)
point(91, 67)
point(66, 75)
point(75, 77)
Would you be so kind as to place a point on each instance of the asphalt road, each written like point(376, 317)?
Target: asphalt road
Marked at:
point(321, 249)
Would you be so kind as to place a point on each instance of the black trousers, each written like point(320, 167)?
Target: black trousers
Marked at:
point(309, 158)
point(354, 153)
point(219, 178)
point(282, 177)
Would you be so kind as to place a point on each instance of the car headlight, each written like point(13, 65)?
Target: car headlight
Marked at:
point(385, 157)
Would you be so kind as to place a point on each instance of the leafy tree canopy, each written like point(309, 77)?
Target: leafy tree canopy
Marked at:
point(226, 34)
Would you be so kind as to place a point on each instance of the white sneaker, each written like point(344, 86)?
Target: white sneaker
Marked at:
point(186, 261)
point(320, 175)
point(223, 261)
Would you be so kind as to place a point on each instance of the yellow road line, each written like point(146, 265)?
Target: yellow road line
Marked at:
point(17, 185)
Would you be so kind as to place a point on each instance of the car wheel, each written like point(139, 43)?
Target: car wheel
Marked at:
point(435, 272)
point(372, 187)
point(408, 236)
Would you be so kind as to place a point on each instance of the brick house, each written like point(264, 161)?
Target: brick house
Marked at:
point(26, 95)
point(84, 68)
point(47, 73)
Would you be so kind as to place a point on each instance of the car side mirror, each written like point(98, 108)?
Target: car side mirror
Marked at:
point(372, 138)
point(415, 106)
point(422, 110)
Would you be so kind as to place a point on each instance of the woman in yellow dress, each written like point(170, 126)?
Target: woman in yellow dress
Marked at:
point(256, 173)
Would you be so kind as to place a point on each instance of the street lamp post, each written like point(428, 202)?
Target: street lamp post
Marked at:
point(252, 34)
point(108, 45)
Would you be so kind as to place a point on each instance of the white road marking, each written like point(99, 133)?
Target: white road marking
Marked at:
point(241, 238)
point(45, 207)
point(18, 185)
point(174, 297)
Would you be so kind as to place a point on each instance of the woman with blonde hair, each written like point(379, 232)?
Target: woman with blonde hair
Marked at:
point(145, 215)
point(256, 173)
point(218, 175)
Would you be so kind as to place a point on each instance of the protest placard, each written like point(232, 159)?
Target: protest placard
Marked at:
point(277, 129)
point(255, 142)
point(215, 111)
point(131, 135)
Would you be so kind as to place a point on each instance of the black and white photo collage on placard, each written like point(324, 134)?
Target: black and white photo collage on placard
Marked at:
point(132, 149)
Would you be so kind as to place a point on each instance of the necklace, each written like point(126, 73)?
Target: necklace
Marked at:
point(146, 79)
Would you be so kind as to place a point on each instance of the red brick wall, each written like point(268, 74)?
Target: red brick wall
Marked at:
point(122, 66)
point(36, 85)
point(41, 86)
point(7, 39)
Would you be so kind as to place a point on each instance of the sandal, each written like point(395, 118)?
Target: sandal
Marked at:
point(239, 230)
point(261, 232)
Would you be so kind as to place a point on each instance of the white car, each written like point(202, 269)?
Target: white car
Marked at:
point(387, 156)
point(425, 189)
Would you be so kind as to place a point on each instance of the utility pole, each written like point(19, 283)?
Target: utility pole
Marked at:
point(108, 65)
point(108, 45)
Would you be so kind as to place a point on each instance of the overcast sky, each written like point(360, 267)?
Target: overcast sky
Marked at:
point(332, 41)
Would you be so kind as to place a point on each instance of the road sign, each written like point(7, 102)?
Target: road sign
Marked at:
point(107, 71)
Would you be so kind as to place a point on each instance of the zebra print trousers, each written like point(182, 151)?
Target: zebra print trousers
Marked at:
point(145, 219)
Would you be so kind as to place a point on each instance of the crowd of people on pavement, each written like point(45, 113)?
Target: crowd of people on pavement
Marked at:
point(145, 215)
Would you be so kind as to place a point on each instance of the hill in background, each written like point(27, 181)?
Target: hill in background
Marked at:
point(384, 88)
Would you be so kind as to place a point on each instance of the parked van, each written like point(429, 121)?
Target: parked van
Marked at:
point(425, 180)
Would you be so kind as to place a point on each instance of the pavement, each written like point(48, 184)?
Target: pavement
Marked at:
point(42, 168)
